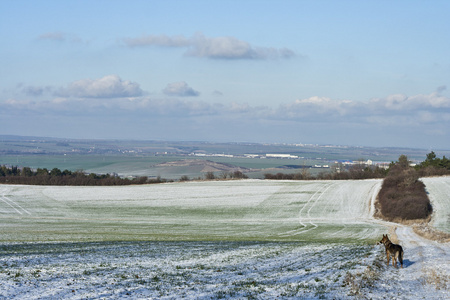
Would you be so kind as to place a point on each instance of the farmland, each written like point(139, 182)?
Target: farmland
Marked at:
point(249, 210)
point(144, 158)
point(215, 239)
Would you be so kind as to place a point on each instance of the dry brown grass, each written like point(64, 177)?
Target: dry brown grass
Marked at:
point(430, 233)
point(439, 281)
point(368, 279)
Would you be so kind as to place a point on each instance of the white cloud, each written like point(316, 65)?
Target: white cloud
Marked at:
point(393, 109)
point(392, 119)
point(111, 86)
point(111, 94)
point(404, 104)
point(181, 89)
point(225, 47)
point(318, 109)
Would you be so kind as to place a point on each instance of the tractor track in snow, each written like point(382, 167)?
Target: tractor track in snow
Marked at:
point(12, 204)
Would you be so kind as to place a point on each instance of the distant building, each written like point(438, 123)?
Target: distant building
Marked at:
point(274, 155)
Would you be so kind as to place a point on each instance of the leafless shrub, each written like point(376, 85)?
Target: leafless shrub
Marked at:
point(403, 196)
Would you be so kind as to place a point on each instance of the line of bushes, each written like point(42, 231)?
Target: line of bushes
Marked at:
point(403, 195)
point(211, 176)
point(25, 175)
point(355, 172)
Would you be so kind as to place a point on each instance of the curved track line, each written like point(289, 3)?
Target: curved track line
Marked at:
point(16, 206)
point(305, 228)
point(5, 200)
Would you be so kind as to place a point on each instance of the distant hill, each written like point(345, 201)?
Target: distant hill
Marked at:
point(206, 165)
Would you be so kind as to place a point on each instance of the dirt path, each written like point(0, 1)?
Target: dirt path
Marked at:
point(425, 273)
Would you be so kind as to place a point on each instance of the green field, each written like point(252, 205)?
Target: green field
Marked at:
point(141, 158)
point(247, 210)
point(242, 239)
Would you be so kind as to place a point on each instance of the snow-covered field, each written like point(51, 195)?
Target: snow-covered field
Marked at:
point(438, 189)
point(203, 240)
point(215, 210)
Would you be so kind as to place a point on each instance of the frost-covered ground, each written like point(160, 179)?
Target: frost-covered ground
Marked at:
point(216, 210)
point(426, 273)
point(438, 189)
point(320, 245)
point(174, 270)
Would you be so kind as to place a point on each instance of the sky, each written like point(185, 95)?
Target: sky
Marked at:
point(359, 73)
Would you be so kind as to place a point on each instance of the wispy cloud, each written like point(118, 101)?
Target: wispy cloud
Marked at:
point(225, 47)
point(61, 37)
point(53, 36)
point(126, 95)
point(429, 109)
point(34, 91)
point(399, 109)
point(181, 89)
point(158, 40)
point(102, 101)
point(111, 93)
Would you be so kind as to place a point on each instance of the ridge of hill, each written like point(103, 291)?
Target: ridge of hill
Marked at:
point(208, 165)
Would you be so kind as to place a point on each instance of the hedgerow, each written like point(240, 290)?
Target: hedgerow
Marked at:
point(403, 195)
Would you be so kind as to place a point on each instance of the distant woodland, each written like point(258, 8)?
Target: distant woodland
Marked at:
point(25, 175)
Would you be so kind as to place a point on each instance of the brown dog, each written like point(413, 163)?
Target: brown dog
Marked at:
point(392, 249)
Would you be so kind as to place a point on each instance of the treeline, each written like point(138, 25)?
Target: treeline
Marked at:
point(433, 166)
point(354, 172)
point(223, 176)
point(43, 176)
point(25, 175)
point(403, 195)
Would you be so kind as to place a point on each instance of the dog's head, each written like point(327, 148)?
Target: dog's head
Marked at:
point(383, 240)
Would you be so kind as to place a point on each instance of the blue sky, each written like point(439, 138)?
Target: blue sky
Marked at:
point(369, 73)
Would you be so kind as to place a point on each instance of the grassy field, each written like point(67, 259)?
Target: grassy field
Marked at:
point(126, 165)
point(209, 240)
point(181, 270)
point(196, 240)
point(438, 189)
point(249, 210)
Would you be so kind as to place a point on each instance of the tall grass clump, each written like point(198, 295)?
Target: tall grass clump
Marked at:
point(403, 196)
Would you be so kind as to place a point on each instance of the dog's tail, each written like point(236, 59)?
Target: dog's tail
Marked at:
point(400, 257)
